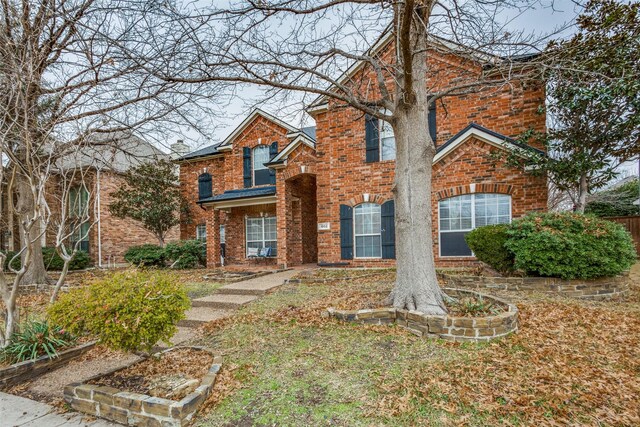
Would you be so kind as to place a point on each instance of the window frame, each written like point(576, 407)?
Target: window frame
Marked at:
point(199, 234)
point(381, 124)
point(274, 252)
point(78, 211)
point(473, 221)
point(356, 235)
point(261, 147)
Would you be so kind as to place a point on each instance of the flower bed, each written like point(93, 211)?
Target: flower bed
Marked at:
point(451, 328)
point(164, 402)
point(596, 289)
point(331, 275)
point(24, 371)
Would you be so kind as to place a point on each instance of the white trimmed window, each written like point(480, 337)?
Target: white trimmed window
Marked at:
point(387, 141)
point(461, 214)
point(367, 231)
point(260, 171)
point(201, 232)
point(261, 233)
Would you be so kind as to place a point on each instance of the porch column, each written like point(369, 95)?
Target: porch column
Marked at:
point(213, 239)
point(282, 219)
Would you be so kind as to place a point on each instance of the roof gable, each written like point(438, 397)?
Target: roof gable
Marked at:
point(483, 134)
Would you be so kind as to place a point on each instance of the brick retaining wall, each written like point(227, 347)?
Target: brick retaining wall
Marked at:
point(137, 409)
point(596, 289)
point(24, 371)
point(450, 328)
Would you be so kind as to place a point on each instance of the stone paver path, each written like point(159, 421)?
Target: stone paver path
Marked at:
point(17, 411)
point(225, 300)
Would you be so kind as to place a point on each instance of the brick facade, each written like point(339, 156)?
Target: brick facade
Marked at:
point(115, 234)
point(312, 184)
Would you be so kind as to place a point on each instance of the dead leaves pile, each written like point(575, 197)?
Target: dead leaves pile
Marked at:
point(569, 365)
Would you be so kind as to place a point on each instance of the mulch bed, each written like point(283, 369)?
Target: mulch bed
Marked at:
point(143, 377)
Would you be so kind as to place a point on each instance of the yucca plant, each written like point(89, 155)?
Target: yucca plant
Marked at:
point(36, 338)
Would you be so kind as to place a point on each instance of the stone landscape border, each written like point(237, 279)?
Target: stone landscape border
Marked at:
point(316, 280)
point(24, 371)
point(137, 409)
point(222, 279)
point(594, 289)
point(450, 328)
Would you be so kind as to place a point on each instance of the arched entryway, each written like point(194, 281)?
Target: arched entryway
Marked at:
point(301, 219)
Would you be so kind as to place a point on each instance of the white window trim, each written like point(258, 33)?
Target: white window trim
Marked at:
point(473, 222)
point(380, 124)
point(199, 236)
point(355, 248)
point(246, 234)
point(253, 162)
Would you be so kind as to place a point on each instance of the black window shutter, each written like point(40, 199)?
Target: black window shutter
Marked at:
point(432, 121)
point(372, 139)
point(346, 232)
point(204, 186)
point(388, 225)
point(273, 151)
point(246, 166)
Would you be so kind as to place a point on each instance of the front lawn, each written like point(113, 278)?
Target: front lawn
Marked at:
point(572, 362)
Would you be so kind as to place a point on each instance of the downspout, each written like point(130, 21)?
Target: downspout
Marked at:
point(99, 222)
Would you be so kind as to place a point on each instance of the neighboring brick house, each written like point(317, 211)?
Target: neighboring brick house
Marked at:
point(324, 194)
point(102, 166)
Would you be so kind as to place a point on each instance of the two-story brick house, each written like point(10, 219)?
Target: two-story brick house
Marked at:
point(324, 194)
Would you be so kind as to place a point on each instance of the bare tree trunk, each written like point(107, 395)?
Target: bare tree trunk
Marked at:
point(26, 208)
point(61, 279)
point(583, 190)
point(416, 285)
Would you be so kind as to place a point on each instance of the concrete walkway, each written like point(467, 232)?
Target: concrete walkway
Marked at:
point(225, 300)
point(17, 411)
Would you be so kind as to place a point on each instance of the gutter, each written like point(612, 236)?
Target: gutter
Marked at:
point(99, 221)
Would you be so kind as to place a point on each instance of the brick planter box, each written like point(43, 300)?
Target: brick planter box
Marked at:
point(315, 280)
point(24, 371)
point(450, 328)
point(136, 409)
point(596, 289)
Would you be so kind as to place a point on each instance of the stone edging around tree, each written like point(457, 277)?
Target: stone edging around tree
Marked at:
point(594, 289)
point(24, 371)
point(135, 409)
point(450, 328)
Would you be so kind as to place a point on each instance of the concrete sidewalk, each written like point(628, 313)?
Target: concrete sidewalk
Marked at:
point(18, 411)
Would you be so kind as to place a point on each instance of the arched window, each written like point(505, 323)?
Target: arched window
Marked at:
point(260, 171)
point(367, 230)
point(461, 214)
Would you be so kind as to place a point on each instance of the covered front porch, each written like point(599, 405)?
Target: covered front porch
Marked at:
point(271, 226)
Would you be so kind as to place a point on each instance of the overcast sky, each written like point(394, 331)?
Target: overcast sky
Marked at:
point(542, 19)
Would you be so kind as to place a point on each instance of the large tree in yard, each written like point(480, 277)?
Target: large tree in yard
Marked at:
point(398, 48)
point(593, 101)
point(66, 74)
point(152, 197)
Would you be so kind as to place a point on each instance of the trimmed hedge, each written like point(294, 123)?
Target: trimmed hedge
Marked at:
point(146, 255)
point(186, 254)
point(129, 311)
point(488, 245)
point(52, 260)
point(569, 246)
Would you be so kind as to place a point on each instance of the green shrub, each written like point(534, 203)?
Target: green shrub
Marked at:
point(186, 254)
point(488, 245)
point(16, 262)
point(146, 255)
point(570, 246)
point(36, 339)
point(130, 310)
point(52, 260)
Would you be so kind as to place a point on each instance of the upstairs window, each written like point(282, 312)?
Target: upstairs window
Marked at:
point(261, 174)
point(387, 141)
point(461, 214)
point(205, 189)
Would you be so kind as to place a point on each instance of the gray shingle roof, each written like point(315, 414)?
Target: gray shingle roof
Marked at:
point(245, 193)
